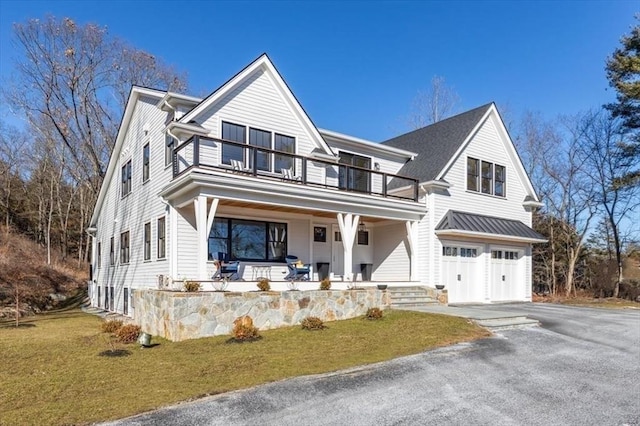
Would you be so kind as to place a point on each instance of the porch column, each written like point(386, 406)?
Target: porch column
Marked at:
point(348, 224)
point(412, 238)
point(203, 226)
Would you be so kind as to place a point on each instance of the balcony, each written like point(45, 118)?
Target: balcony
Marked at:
point(265, 163)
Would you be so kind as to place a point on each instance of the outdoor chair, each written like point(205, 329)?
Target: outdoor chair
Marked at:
point(297, 270)
point(226, 270)
point(287, 174)
point(238, 166)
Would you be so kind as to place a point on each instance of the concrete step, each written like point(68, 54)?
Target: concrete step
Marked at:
point(411, 304)
point(506, 323)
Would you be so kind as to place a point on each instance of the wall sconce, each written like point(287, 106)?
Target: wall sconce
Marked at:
point(376, 167)
point(361, 227)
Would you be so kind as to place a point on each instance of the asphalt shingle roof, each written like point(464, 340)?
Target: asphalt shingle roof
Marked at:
point(460, 221)
point(436, 143)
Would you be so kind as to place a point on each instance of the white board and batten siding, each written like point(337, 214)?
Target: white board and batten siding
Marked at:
point(130, 213)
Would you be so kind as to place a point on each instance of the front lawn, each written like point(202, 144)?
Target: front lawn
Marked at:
point(52, 372)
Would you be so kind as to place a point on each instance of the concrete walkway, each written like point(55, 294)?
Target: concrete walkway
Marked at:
point(483, 315)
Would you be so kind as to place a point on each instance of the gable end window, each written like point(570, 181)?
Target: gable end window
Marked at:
point(124, 247)
point(145, 163)
point(486, 177)
point(126, 178)
point(147, 241)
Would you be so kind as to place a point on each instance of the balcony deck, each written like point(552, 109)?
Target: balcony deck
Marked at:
point(268, 164)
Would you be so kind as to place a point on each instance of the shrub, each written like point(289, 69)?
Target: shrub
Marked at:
point(630, 289)
point(111, 326)
point(325, 284)
point(243, 329)
point(128, 333)
point(312, 323)
point(373, 314)
point(191, 286)
point(264, 285)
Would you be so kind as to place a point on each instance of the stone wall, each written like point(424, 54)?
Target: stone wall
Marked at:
point(180, 316)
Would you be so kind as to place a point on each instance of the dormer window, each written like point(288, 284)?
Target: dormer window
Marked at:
point(486, 177)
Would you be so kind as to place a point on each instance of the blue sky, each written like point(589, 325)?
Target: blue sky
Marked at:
point(357, 66)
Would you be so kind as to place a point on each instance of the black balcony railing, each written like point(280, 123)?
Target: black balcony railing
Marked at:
point(268, 163)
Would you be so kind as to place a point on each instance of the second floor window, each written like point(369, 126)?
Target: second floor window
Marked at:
point(124, 247)
point(169, 144)
point(486, 177)
point(234, 133)
point(126, 178)
point(99, 254)
point(147, 241)
point(112, 251)
point(354, 179)
point(285, 144)
point(145, 163)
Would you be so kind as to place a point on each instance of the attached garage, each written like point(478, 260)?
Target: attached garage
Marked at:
point(484, 258)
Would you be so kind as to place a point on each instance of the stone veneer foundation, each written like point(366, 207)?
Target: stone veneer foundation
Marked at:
point(180, 316)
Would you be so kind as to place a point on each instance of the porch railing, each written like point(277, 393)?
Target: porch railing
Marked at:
point(269, 163)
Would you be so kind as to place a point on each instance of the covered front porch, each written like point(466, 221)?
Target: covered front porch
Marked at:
point(354, 240)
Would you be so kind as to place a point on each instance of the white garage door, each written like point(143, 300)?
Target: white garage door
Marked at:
point(460, 273)
point(506, 279)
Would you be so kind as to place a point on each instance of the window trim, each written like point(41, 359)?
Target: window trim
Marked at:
point(125, 248)
point(479, 178)
point(160, 256)
point(229, 239)
point(146, 162)
point(125, 179)
point(146, 241)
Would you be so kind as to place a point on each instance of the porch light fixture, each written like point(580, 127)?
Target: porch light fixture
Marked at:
point(361, 227)
point(376, 167)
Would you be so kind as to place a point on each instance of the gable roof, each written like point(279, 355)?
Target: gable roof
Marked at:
point(437, 143)
point(469, 223)
point(261, 63)
point(134, 95)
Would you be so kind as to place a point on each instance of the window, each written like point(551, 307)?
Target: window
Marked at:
point(354, 179)
point(99, 254)
point(234, 133)
point(126, 178)
point(486, 177)
point(125, 300)
point(169, 144)
point(472, 174)
point(111, 292)
point(261, 139)
point(147, 241)
point(285, 144)
point(112, 257)
point(98, 304)
point(161, 238)
point(500, 181)
point(363, 238)
point(106, 297)
point(319, 234)
point(247, 240)
point(449, 251)
point(124, 247)
point(145, 163)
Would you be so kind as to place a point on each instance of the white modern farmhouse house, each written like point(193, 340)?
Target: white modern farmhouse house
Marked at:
point(245, 176)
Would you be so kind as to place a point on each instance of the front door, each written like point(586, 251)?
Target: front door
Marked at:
point(337, 252)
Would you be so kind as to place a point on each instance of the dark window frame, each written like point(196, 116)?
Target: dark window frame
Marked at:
point(112, 252)
point(169, 145)
point(486, 179)
point(229, 152)
point(262, 156)
point(125, 301)
point(493, 182)
point(146, 238)
point(146, 162)
point(356, 175)
point(161, 237)
point(99, 250)
point(227, 240)
point(125, 247)
point(126, 179)
point(500, 183)
point(471, 176)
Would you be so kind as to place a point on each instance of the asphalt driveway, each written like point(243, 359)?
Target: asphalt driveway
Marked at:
point(581, 367)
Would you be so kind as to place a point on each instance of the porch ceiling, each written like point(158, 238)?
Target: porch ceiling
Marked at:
point(244, 191)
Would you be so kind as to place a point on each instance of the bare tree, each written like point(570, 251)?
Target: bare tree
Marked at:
point(436, 103)
point(604, 150)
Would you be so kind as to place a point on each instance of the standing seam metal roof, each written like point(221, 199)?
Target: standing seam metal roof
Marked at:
point(460, 221)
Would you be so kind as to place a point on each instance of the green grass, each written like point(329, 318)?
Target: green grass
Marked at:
point(610, 303)
point(51, 372)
